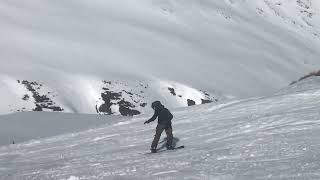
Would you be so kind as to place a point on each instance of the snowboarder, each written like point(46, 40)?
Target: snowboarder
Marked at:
point(164, 123)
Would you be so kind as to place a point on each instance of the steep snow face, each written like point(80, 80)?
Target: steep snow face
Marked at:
point(274, 137)
point(297, 16)
point(231, 44)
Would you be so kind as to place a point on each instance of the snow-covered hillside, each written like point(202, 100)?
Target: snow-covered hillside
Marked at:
point(274, 137)
point(85, 95)
point(116, 57)
point(217, 46)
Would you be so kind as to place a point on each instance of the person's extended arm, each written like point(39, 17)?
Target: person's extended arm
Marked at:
point(154, 117)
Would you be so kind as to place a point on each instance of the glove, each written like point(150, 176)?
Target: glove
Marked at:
point(146, 122)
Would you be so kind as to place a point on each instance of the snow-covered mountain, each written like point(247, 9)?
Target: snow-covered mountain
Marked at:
point(116, 57)
point(275, 137)
point(222, 47)
point(125, 98)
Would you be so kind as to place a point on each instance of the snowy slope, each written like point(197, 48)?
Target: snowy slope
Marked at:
point(21, 127)
point(274, 137)
point(216, 46)
point(116, 57)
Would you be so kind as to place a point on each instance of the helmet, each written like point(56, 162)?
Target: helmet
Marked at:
point(156, 105)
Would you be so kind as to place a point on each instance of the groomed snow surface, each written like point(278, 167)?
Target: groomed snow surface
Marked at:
point(274, 137)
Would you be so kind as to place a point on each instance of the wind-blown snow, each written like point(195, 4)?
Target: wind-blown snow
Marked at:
point(274, 137)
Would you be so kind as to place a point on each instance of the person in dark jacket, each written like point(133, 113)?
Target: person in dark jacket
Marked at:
point(164, 124)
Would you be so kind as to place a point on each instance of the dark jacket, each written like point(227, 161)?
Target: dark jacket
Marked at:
point(163, 114)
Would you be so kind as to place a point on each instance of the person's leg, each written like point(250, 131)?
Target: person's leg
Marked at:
point(157, 136)
point(169, 137)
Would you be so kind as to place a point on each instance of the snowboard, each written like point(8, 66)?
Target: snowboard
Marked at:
point(163, 150)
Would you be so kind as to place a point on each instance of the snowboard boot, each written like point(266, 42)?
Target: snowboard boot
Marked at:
point(153, 150)
point(169, 147)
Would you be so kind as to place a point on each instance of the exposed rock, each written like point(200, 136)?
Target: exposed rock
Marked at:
point(119, 94)
point(26, 97)
point(130, 93)
point(143, 104)
point(116, 98)
point(172, 91)
point(315, 73)
point(41, 101)
point(208, 98)
point(107, 82)
point(206, 101)
point(107, 97)
point(37, 108)
point(124, 108)
point(105, 108)
point(191, 102)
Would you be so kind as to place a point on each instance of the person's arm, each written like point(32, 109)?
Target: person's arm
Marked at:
point(154, 117)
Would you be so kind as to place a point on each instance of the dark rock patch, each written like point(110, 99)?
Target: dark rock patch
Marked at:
point(110, 98)
point(172, 91)
point(208, 98)
point(107, 97)
point(206, 101)
point(143, 104)
point(26, 97)
point(107, 82)
point(191, 102)
point(105, 108)
point(38, 108)
point(124, 108)
point(316, 73)
point(41, 101)
point(130, 93)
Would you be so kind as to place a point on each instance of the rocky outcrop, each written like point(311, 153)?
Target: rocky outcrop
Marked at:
point(116, 97)
point(42, 101)
point(315, 73)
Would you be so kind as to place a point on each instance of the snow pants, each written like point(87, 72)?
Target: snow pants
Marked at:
point(160, 128)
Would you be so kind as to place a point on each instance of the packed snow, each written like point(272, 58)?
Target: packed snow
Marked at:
point(275, 137)
point(20, 127)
